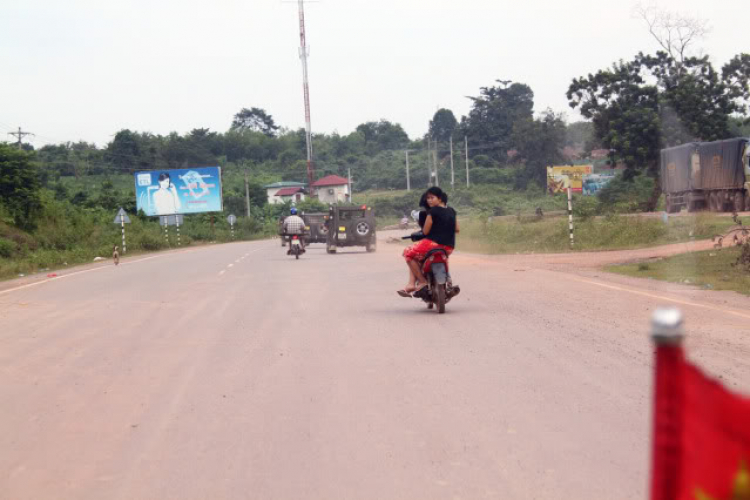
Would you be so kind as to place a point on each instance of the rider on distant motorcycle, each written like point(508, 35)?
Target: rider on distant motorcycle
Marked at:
point(440, 228)
point(294, 225)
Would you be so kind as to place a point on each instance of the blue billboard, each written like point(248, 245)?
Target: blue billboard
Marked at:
point(179, 191)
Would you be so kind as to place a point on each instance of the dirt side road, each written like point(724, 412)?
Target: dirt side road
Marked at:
point(236, 372)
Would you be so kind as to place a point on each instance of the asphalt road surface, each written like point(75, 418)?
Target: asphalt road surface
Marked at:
point(234, 371)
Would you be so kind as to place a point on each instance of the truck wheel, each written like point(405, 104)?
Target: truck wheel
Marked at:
point(739, 202)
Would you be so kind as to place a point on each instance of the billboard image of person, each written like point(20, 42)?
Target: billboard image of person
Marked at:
point(179, 191)
point(166, 199)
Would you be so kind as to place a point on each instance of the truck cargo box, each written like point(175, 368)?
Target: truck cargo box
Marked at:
point(721, 165)
point(675, 165)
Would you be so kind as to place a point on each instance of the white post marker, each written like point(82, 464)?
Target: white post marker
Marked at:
point(122, 218)
point(570, 214)
point(165, 222)
point(177, 223)
point(231, 220)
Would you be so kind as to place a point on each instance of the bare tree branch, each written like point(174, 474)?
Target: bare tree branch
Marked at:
point(673, 31)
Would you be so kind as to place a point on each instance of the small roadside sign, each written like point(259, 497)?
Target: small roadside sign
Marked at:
point(232, 219)
point(171, 220)
point(121, 217)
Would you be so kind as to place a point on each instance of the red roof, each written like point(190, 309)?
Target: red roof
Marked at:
point(331, 180)
point(288, 191)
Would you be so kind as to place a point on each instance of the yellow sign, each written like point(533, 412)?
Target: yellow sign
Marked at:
point(559, 179)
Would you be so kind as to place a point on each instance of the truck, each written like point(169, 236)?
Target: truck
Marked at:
point(706, 175)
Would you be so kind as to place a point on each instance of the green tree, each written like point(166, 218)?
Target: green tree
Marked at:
point(640, 106)
point(443, 125)
point(494, 113)
point(254, 119)
point(19, 187)
point(382, 135)
point(539, 143)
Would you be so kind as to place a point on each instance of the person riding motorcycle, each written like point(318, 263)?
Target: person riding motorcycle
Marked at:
point(294, 225)
point(439, 227)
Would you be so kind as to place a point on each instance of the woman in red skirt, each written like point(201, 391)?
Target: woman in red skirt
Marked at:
point(440, 228)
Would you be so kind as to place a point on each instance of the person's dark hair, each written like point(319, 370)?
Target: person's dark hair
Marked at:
point(437, 192)
point(163, 176)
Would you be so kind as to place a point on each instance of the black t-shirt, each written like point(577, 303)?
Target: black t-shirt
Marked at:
point(443, 230)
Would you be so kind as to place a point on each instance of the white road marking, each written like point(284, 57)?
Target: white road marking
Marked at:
point(110, 266)
point(662, 297)
point(222, 272)
point(230, 265)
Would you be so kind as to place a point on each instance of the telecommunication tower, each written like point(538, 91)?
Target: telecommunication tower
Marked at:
point(303, 53)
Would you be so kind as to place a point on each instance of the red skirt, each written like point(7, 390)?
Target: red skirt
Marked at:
point(419, 250)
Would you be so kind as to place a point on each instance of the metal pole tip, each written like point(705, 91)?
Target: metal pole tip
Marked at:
point(666, 326)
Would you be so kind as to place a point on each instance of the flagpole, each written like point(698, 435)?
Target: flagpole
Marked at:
point(667, 335)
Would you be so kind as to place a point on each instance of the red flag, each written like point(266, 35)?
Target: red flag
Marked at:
point(701, 435)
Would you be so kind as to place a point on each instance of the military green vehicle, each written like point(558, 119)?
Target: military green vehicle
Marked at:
point(315, 227)
point(351, 226)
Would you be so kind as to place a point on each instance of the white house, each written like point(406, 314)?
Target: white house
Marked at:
point(282, 192)
point(332, 189)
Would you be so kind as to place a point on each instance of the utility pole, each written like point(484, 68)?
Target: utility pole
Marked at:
point(247, 195)
point(435, 163)
point(20, 135)
point(349, 174)
point(429, 164)
point(408, 181)
point(453, 174)
point(303, 53)
point(466, 148)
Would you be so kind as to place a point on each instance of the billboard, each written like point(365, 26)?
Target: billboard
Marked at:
point(592, 183)
point(179, 191)
point(560, 178)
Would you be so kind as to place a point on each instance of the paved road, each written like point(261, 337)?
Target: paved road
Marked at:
point(235, 372)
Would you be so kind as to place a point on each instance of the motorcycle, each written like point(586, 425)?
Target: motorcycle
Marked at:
point(440, 289)
point(295, 246)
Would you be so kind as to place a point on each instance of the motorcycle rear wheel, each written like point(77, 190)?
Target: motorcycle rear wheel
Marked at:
point(440, 298)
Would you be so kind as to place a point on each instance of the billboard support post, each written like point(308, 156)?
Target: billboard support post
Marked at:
point(177, 223)
point(166, 233)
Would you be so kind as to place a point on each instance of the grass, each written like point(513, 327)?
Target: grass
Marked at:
point(710, 269)
point(550, 234)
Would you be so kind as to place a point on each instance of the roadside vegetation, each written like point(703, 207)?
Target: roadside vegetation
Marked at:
point(711, 270)
point(610, 232)
point(58, 202)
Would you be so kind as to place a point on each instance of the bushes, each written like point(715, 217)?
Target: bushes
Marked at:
point(7, 248)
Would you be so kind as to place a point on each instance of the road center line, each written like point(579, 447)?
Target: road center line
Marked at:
point(662, 297)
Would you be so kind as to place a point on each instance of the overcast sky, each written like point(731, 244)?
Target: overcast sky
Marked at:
point(84, 69)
